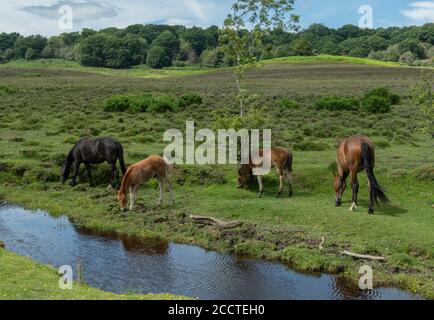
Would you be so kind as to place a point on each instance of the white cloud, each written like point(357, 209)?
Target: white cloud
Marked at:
point(420, 12)
point(41, 16)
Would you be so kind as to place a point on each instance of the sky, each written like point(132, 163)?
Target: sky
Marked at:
point(51, 17)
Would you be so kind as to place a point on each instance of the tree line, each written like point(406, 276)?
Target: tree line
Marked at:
point(161, 46)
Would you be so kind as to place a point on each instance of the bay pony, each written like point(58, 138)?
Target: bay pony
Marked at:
point(141, 172)
point(281, 159)
point(356, 154)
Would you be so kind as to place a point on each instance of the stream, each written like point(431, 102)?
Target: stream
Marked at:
point(123, 265)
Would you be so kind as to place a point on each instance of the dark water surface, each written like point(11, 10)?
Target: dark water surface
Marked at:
point(125, 266)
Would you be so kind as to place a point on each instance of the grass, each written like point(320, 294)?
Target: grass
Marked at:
point(21, 278)
point(140, 71)
point(336, 59)
point(53, 107)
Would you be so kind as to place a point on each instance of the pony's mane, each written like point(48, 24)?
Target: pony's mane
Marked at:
point(124, 180)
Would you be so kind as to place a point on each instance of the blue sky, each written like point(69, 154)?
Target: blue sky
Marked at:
point(42, 16)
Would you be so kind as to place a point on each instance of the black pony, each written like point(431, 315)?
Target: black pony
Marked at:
point(93, 151)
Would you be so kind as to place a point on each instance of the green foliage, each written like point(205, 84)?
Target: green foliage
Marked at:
point(302, 47)
point(163, 104)
point(333, 103)
point(117, 104)
point(6, 90)
point(425, 173)
point(211, 58)
point(140, 103)
point(289, 104)
point(310, 146)
point(102, 50)
point(225, 119)
point(422, 96)
point(169, 42)
point(158, 57)
point(243, 46)
point(189, 99)
point(376, 104)
point(385, 93)
point(149, 103)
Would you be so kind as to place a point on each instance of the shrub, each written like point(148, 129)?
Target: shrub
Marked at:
point(141, 103)
point(425, 173)
point(385, 93)
point(310, 146)
point(407, 58)
point(163, 104)
point(289, 104)
point(382, 144)
point(376, 104)
point(5, 90)
point(117, 104)
point(189, 99)
point(333, 103)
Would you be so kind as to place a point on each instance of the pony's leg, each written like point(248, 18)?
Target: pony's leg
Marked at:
point(261, 186)
point(89, 174)
point(371, 199)
point(281, 183)
point(113, 174)
point(74, 177)
point(355, 188)
point(169, 185)
point(290, 178)
point(133, 196)
point(161, 186)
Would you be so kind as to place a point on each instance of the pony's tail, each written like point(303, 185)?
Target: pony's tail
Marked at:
point(368, 162)
point(122, 160)
point(288, 163)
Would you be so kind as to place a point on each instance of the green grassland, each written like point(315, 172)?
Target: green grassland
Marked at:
point(141, 71)
point(53, 107)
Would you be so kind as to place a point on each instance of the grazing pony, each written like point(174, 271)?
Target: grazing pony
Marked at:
point(93, 151)
point(141, 172)
point(354, 155)
point(280, 158)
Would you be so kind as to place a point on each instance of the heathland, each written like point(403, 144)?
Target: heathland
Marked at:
point(45, 110)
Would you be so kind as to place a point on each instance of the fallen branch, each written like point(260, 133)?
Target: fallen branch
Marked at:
point(321, 245)
point(214, 221)
point(363, 256)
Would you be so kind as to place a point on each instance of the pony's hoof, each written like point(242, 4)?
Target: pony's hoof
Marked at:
point(290, 194)
point(278, 195)
point(353, 207)
point(73, 184)
point(260, 195)
point(370, 211)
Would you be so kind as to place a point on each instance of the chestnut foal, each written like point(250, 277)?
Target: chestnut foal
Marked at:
point(141, 172)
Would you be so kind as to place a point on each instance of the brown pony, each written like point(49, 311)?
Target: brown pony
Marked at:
point(141, 172)
point(354, 155)
point(281, 159)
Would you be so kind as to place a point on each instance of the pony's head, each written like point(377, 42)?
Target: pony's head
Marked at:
point(244, 172)
point(339, 183)
point(122, 199)
point(340, 186)
point(65, 170)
